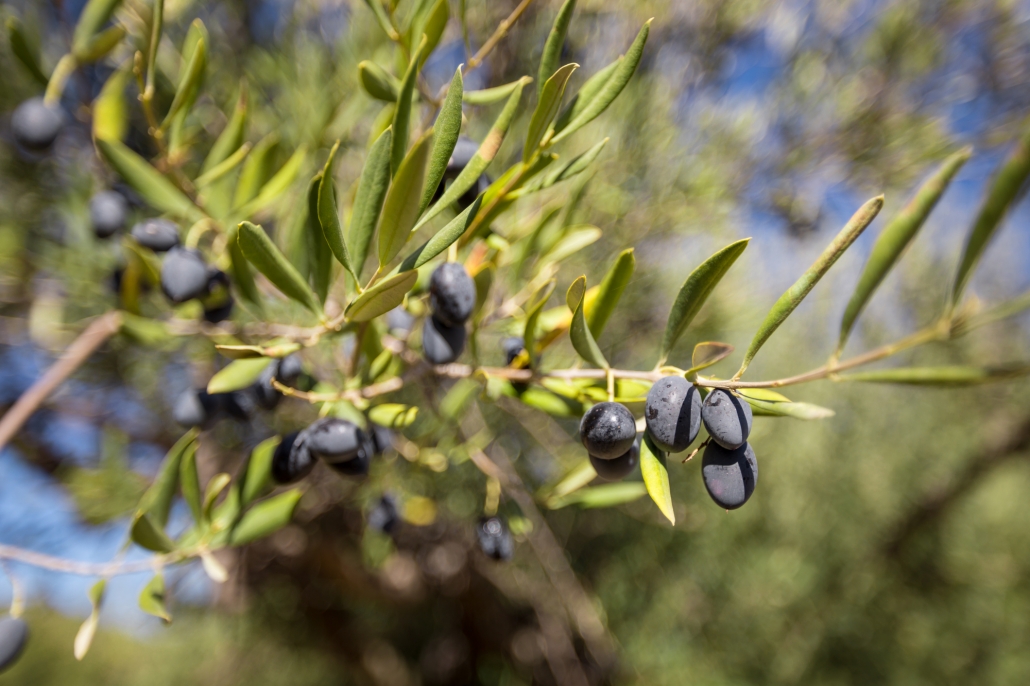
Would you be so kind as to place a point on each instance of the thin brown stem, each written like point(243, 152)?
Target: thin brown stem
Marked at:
point(498, 34)
point(104, 569)
point(99, 330)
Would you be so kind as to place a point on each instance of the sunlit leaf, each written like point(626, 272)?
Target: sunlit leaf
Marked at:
point(939, 376)
point(382, 297)
point(84, 637)
point(242, 275)
point(400, 209)
point(579, 102)
point(445, 135)
point(102, 44)
point(402, 114)
point(278, 184)
point(546, 401)
point(708, 353)
point(384, 20)
point(94, 15)
point(238, 374)
point(695, 291)
point(489, 96)
point(259, 249)
point(158, 191)
point(266, 517)
point(767, 402)
point(257, 479)
point(896, 236)
point(231, 137)
point(787, 302)
point(575, 239)
point(256, 170)
point(372, 187)
point(577, 165)
point(615, 281)
point(217, 484)
point(604, 495)
point(190, 79)
point(534, 307)
point(152, 598)
point(443, 238)
point(157, 501)
point(224, 167)
point(377, 82)
point(553, 46)
point(656, 477)
point(146, 534)
point(329, 214)
point(393, 415)
point(582, 340)
point(546, 108)
point(110, 118)
point(189, 481)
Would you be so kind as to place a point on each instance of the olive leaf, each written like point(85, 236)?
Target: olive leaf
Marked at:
point(88, 629)
point(377, 82)
point(191, 76)
point(939, 376)
point(157, 500)
point(394, 415)
point(320, 255)
point(217, 484)
point(611, 89)
point(368, 202)
point(402, 113)
point(573, 480)
point(445, 136)
point(278, 184)
point(400, 209)
point(489, 96)
point(102, 44)
point(152, 598)
point(706, 354)
point(605, 495)
point(577, 165)
point(767, 402)
point(94, 15)
point(787, 302)
point(329, 214)
point(20, 47)
point(257, 479)
point(231, 137)
point(266, 517)
point(189, 481)
point(443, 238)
point(610, 291)
point(546, 108)
point(586, 94)
point(534, 307)
point(551, 403)
point(280, 348)
point(110, 119)
point(224, 167)
point(1005, 188)
point(243, 277)
point(158, 191)
point(553, 46)
point(384, 20)
point(582, 340)
point(259, 249)
point(656, 477)
point(256, 170)
point(382, 297)
point(1002, 310)
point(481, 160)
point(695, 291)
point(896, 236)
point(146, 534)
point(432, 25)
point(238, 374)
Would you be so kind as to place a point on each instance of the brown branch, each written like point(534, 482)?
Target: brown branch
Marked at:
point(99, 330)
point(499, 33)
point(59, 564)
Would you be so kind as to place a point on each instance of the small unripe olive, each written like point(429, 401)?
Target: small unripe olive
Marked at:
point(107, 210)
point(14, 634)
point(727, 418)
point(35, 125)
point(184, 275)
point(442, 344)
point(494, 538)
point(158, 234)
point(673, 413)
point(607, 430)
point(452, 294)
point(730, 476)
point(291, 460)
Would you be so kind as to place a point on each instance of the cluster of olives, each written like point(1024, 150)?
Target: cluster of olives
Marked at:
point(674, 413)
point(452, 296)
point(341, 444)
point(14, 634)
point(202, 409)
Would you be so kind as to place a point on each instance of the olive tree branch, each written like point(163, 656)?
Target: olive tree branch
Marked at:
point(99, 330)
point(105, 569)
point(498, 34)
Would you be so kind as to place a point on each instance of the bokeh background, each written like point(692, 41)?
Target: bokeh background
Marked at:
point(888, 544)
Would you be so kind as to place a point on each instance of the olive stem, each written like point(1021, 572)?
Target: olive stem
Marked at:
point(58, 79)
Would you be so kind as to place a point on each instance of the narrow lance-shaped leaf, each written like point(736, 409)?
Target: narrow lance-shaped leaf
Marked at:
point(605, 495)
point(231, 137)
point(546, 108)
point(614, 283)
point(157, 501)
point(896, 236)
point(94, 15)
point(146, 534)
point(110, 119)
point(152, 598)
point(384, 20)
point(278, 184)
point(769, 403)
point(242, 276)
point(787, 302)
point(576, 165)
point(102, 44)
point(695, 291)
point(21, 49)
point(582, 340)
point(706, 354)
point(158, 191)
point(192, 75)
point(445, 136)
point(433, 28)
point(1002, 310)
point(443, 238)
point(382, 297)
point(189, 481)
point(256, 170)
point(258, 477)
point(266, 517)
point(377, 82)
point(84, 637)
point(217, 484)
point(368, 202)
point(533, 309)
point(553, 46)
point(656, 477)
point(939, 376)
point(224, 167)
point(320, 255)
point(489, 96)
point(329, 214)
point(586, 94)
point(400, 210)
point(1006, 187)
point(481, 160)
point(263, 254)
point(402, 114)
point(238, 374)
point(611, 88)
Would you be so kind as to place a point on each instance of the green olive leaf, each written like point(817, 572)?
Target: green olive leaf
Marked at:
point(400, 209)
point(610, 291)
point(190, 79)
point(656, 477)
point(146, 534)
point(189, 481)
point(227, 165)
point(546, 108)
point(611, 89)
point(553, 46)
point(88, 629)
point(94, 15)
point(939, 376)
point(384, 20)
point(443, 238)
point(368, 202)
point(577, 165)
point(586, 94)
point(256, 170)
point(152, 598)
point(769, 403)
point(231, 137)
point(242, 275)
point(110, 118)
point(481, 160)
point(402, 113)
point(266, 517)
point(1002, 310)
point(377, 82)
point(445, 136)
point(158, 191)
point(320, 254)
point(706, 354)
point(1006, 187)
point(896, 236)
point(489, 96)
point(534, 307)
point(278, 184)
point(23, 51)
point(382, 297)
point(551, 403)
point(217, 484)
point(582, 340)
point(102, 44)
point(259, 249)
point(257, 479)
point(157, 500)
point(238, 374)
point(329, 214)
point(605, 495)
point(394, 415)
point(787, 302)
point(574, 239)
point(278, 348)
point(695, 291)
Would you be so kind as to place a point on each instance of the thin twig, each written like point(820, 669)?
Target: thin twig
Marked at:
point(99, 330)
point(499, 33)
point(60, 564)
